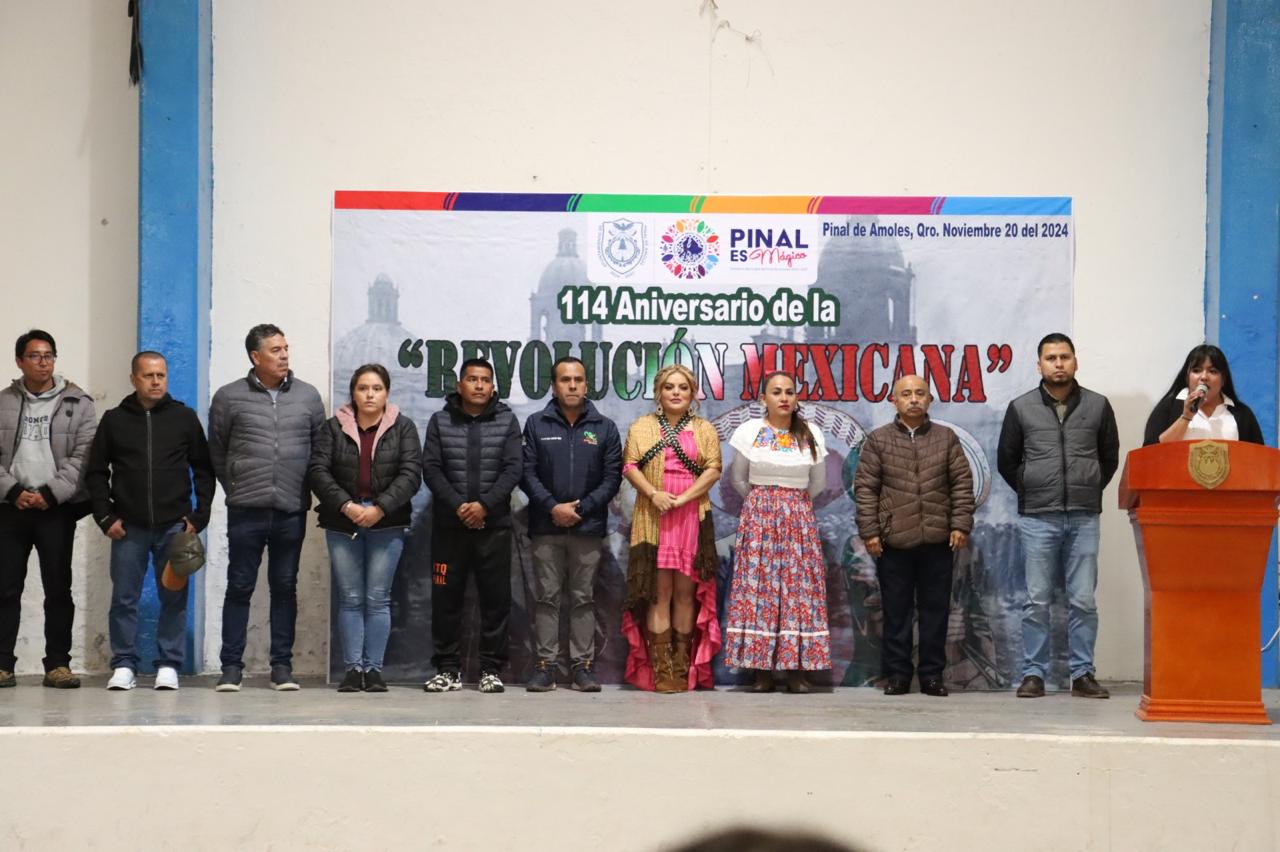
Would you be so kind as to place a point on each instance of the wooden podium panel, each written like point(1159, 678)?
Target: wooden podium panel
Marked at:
point(1203, 514)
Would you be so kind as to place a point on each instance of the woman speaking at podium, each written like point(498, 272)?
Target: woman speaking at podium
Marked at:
point(1202, 403)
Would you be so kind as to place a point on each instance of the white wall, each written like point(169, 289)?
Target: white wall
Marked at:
point(1101, 101)
point(68, 239)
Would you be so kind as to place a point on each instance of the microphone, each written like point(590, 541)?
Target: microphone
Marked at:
point(1203, 390)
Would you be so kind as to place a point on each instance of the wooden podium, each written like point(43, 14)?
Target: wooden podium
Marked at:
point(1203, 515)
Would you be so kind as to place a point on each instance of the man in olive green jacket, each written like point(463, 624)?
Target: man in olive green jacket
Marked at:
point(914, 496)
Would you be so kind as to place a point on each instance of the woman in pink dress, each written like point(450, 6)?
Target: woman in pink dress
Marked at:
point(672, 457)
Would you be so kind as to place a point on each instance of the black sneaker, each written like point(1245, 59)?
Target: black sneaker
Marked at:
point(933, 686)
point(1086, 686)
point(543, 678)
point(443, 682)
point(584, 680)
point(1032, 687)
point(897, 686)
point(282, 679)
point(373, 681)
point(353, 682)
point(490, 682)
point(230, 680)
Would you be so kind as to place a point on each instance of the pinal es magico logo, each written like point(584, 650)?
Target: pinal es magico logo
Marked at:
point(690, 249)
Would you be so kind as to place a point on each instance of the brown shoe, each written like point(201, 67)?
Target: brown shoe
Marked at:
point(61, 678)
point(680, 660)
point(1032, 687)
point(1086, 686)
point(660, 660)
point(7, 679)
point(796, 683)
point(764, 681)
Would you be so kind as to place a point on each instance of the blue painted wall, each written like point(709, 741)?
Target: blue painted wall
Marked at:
point(1242, 293)
point(174, 229)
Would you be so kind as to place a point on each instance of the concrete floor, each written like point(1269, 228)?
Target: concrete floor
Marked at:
point(845, 709)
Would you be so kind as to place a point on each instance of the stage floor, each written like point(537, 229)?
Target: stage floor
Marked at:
point(841, 710)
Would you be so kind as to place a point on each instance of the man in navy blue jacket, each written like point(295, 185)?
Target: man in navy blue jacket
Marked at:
point(572, 469)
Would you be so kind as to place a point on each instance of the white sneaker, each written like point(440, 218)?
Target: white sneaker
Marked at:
point(166, 677)
point(122, 678)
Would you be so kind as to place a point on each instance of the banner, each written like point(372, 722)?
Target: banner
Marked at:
point(845, 293)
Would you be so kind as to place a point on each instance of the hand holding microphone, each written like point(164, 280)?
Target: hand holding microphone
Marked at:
point(1197, 396)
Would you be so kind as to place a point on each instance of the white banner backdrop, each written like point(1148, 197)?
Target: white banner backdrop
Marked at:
point(844, 293)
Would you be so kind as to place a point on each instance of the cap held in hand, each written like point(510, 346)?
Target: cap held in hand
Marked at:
point(184, 558)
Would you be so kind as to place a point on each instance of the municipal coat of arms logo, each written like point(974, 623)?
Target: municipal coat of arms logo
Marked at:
point(1209, 463)
point(622, 245)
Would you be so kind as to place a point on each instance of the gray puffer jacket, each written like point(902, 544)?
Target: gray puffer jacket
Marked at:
point(467, 459)
point(1058, 467)
point(260, 447)
point(913, 490)
point(70, 435)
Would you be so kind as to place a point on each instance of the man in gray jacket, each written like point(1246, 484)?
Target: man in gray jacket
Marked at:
point(260, 431)
point(914, 496)
point(1059, 448)
point(46, 428)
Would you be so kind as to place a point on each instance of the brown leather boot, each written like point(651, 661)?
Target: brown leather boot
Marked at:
point(680, 660)
point(660, 660)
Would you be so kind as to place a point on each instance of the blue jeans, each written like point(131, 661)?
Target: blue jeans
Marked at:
point(249, 531)
point(129, 561)
point(1065, 542)
point(364, 566)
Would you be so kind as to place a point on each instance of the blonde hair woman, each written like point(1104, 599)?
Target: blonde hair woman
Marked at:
point(672, 457)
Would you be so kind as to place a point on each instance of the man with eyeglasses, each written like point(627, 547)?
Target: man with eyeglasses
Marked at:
point(46, 428)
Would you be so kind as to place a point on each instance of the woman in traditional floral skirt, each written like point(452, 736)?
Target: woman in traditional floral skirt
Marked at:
point(778, 601)
point(672, 457)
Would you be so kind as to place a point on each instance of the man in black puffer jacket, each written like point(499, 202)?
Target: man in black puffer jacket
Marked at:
point(471, 463)
point(146, 455)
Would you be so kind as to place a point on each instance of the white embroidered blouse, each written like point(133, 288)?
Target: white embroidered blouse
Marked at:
point(767, 456)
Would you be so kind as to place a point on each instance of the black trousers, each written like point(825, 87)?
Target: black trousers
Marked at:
point(917, 578)
point(455, 556)
point(51, 532)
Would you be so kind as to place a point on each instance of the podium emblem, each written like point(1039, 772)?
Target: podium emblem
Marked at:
point(1209, 463)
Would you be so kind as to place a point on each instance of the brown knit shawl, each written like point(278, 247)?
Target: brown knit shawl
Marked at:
point(642, 563)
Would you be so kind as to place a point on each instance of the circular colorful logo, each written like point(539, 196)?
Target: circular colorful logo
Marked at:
point(690, 248)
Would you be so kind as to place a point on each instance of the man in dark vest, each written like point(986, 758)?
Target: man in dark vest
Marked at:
point(471, 463)
point(1059, 448)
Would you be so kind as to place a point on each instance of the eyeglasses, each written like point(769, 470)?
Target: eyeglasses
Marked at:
point(41, 357)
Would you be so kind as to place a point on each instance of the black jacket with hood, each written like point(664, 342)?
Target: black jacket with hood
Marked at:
point(142, 465)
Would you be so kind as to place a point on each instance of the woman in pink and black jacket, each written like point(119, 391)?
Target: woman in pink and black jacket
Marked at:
point(365, 468)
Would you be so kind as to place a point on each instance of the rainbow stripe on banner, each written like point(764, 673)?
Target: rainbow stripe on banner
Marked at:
point(867, 205)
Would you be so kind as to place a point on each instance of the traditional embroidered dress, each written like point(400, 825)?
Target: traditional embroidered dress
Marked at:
point(681, 540)
point(777, 617)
